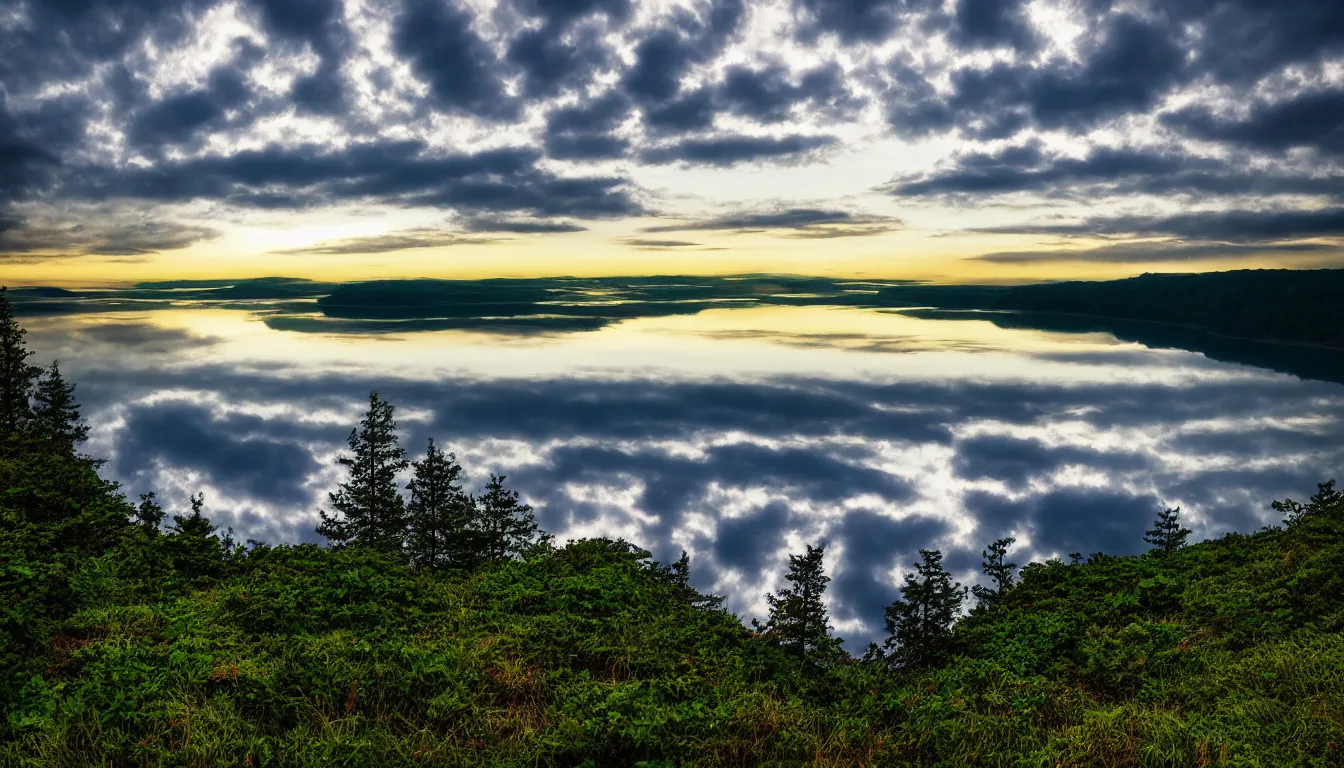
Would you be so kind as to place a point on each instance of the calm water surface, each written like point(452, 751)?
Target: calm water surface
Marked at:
point(736, 434)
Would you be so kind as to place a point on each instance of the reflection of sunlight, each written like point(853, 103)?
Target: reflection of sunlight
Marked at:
point(828, 342)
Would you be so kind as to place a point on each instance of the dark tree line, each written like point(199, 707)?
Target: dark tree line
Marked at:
point(36, 403)
point(440, 526)
point(920, 622)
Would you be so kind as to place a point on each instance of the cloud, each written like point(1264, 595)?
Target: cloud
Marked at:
point(395, 172)
point(393, 241)
point(1154, 252)
point(653, 244)
point(791, 222)
point(731, 150)
point(1104, 172)
point(1313, 119)
point(444, 51)
point(520, 226)
point(1236, 226)
point(101, 233)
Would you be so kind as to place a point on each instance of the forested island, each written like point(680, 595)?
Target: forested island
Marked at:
point(442, 627)
point(1305, 308)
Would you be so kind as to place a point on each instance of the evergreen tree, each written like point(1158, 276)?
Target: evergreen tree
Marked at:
point(55, 413)
point(439, 514)
point(919, 625)
point(678, 575)
point(798, 620)
point(1167, 535)
point(367, 509)
point(148, 513)
point(196, 549)
point(16, 373)
point(504, 527)
point(1000, 572)
point(1293, 512)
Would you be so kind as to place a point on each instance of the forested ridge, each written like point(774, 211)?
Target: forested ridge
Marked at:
point(1304, 308)
point(439, 626)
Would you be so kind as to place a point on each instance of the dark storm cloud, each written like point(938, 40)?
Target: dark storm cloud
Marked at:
point(399, 172)
point(520, 226)
point(1128, 64)
point(874, 543)
point(1015, 461)
point(461, 70)
point(733, 149)
point(321, 25)
point(587, 130)
point(856, 20)
point(176, 119)
point(991, 24)
point(748, 542)
point(1312, 119)
point(1104, 171)
point(1074, 520)
point(237, 453)
point(770, 95)
point(793, 222)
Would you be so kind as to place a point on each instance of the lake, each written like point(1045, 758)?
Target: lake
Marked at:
point(737, 433)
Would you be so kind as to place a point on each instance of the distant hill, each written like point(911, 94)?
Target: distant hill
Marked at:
point(1297, 306)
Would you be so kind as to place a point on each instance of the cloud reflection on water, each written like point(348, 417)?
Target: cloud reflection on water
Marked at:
point(736, 434)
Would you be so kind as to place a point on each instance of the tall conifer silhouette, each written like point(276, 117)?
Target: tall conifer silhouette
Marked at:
point(367, 509)
point(439, 514)
point(919, 624)
point(1167, 535)
point(999, 571)
point(55, 411)
point(505, 527)
point(799, 621)
point(17, 375)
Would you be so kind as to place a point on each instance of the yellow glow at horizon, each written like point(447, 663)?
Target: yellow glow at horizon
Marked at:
point(912, 254)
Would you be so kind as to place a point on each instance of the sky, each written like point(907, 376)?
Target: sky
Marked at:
point(949, 140)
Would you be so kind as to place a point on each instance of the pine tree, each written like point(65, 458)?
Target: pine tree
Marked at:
point(367, 509)
point(55, 413)
point(439, 514)
point(197, 551)
point(1167, 535)
point(678, 575)
point(1326, 497)
point(148, 513)
point(504, 527)
point(16, 373)
point(919, 625)
point(1000, 572)
point(798, 620)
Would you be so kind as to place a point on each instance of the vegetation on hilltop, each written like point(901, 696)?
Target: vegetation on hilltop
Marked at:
point(1305, 308)
point(446, 630)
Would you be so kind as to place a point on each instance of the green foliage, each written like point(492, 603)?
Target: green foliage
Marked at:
point(439, 514)
point(919, 624)
point(799, 622)
point(1167, 535)
point(503, 527)
point(55, 415)
point(367, 509)
point(17, 375)
point(125, 645)
point(1000, 572)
